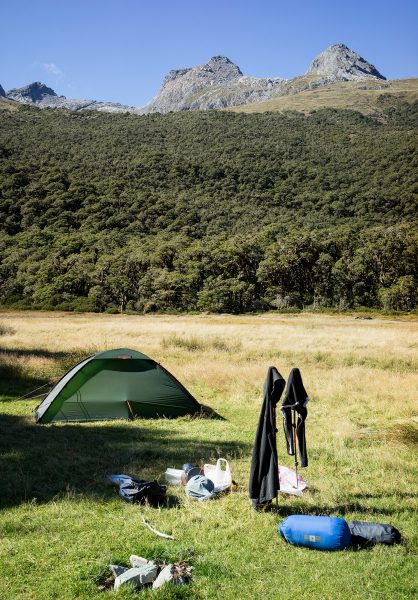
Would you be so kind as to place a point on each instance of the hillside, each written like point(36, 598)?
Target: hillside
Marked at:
point(371, 98)
point(207, 211)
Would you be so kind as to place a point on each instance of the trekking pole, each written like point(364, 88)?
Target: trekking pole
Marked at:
point(294, 445)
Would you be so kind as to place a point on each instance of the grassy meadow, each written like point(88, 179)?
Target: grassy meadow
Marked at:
point(61, 524)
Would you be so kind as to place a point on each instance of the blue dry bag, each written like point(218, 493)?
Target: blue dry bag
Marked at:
point(322, 533)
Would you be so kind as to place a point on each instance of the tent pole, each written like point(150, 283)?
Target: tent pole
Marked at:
point(130, 410)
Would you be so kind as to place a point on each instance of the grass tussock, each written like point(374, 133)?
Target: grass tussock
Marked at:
point(55, 500)
point(405, 434)
point(196, 344)
point(6, 329)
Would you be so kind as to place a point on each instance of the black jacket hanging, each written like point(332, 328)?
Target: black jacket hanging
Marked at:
point(295, 399)
point(264, 472)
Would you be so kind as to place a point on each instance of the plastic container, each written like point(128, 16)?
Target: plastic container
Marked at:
point(173, 476)
point(220, 474)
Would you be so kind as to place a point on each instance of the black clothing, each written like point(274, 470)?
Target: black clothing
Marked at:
point(264, 473)
point(296, 400)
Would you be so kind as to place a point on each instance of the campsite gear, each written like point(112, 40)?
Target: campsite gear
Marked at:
point(176, 574)
point(137, 576)
point(117, 384)
point(321, 533)
point(118, 569)
point(264, 475)
point(187, 466)
point(193, 472)
point(139, 490)
point(139, 561)
point(291, 482)
point(173, 476)
point(364, 533)
point(295, 402)
point(221, 477)
point(200, 487)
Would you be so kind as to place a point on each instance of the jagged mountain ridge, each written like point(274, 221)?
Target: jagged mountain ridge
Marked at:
point(42, 96)
point(219, 83)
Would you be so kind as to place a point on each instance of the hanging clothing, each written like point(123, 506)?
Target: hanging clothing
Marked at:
point(264, 472)
point(296, 399)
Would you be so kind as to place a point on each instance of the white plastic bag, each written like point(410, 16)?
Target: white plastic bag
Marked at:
point(288, 482)
point(220, 474)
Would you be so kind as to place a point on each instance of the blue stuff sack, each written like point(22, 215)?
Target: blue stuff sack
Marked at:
point(321, 533)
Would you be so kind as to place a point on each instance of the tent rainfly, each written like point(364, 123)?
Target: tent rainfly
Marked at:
point(116, 384)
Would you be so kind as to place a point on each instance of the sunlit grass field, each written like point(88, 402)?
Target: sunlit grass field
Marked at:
point(61, 524)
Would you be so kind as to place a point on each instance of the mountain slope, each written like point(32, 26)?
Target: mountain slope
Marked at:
point(370, 98)
point(207, 210)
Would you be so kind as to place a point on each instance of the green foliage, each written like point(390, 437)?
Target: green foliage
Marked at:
point(207, 211)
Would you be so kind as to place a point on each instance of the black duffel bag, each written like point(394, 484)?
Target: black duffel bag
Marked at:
point(364, 533)
point(139, 491)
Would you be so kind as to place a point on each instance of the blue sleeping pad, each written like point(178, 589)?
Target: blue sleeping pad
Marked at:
point(322, 533)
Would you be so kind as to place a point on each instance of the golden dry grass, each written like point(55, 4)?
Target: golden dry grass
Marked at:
point(6, 104)
point(371, 364)
point(348, 94)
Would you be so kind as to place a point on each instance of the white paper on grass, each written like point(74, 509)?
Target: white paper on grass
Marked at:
point(290, 483)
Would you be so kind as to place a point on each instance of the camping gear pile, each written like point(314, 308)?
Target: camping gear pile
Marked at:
point(203, 483)
point(146, 573)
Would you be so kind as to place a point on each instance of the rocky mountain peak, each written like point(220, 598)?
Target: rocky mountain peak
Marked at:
point(341, 63)
point(2, 92)
point(34, 92)
point(222, 63)
point(218, 69)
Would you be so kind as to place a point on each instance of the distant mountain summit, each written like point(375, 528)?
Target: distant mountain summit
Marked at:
point(33, 93)
point(42, 96)
point(2, 92)
point(219, 83)
point(342, 64)
point(216, 84)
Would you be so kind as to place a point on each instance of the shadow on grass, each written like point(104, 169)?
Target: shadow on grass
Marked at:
point(325, 510)
point(43, 461)
point(37, 352)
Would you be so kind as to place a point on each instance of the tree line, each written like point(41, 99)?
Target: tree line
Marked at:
point(209, 211)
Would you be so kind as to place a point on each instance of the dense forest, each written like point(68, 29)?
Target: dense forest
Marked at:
point(210, 211)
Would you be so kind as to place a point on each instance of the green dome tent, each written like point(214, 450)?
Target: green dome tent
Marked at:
point(117, 384)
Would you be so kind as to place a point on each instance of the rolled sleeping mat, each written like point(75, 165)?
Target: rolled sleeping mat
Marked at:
point(321, 533)
point(364, 533)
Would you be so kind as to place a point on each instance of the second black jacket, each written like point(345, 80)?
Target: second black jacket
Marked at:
point(295, 399)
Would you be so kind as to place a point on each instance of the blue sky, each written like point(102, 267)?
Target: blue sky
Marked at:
point(120, 50)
